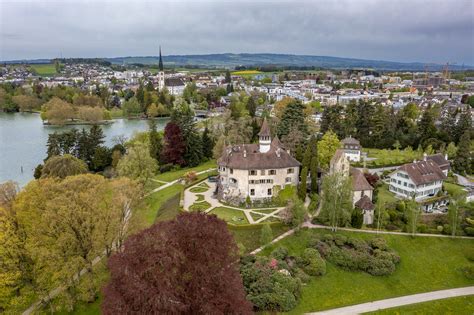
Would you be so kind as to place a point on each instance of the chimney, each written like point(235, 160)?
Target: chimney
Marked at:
point(278, 152)
point(245, 153)
point(424, 156)
point(446, 156)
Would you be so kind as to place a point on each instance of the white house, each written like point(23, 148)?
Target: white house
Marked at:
point(256, 170)
point(421, 180)
point(175, 86)
point(351, 149)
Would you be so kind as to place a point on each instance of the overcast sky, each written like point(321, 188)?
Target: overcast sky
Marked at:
point(398, 30)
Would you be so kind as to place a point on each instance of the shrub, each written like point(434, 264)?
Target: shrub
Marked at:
point(190, 177)
point(313, 264)
point(378, 243)
point(300, 274)
point(422, 228)
point(279, 253)
point(166, 168)
point(469, 231)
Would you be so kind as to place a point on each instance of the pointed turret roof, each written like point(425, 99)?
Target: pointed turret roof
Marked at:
point(265, 130)
point(160, 63)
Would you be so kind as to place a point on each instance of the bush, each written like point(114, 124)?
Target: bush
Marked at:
point(279, 253)
point(469, 231)
point(166, 168)
point(378, 243)
point(313, 264)
point(300, 274)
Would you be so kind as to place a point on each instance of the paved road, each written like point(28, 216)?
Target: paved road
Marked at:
point(399, 301)
point(464, 181)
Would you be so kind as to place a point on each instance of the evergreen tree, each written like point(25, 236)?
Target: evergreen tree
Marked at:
point(464, 124)
point(357, 218)
point(207, 144)
point(447, 123)
point(255, 130)
point(332, 120)
point(53, 145)
point(149, 86)
point(96, 136)
point(307, 156)
point(302, 186)
point(140, 95)
point(251, 106)
point(350, 120)
point(463, 161)
point(194, 153)
point(155, 140)
point(228, 78)
point(299, 153)
point(314, 165)
point(229, 88)
point(293, 116)
point(364, 123)
point(426, 126)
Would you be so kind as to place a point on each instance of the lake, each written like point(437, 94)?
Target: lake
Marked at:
point(23, 139)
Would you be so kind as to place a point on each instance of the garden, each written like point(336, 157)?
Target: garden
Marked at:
point(425, 264)
point(384, 157)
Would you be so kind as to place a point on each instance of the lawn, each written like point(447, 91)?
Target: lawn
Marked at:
point(173, 175)
point(427, 264)
point(458, 305)
point(199, 198)
point(391, 157)
point(229, 215)
point(198, 189)
point(453, 189)
point(256, 216)
point(44, 69)
point(152, 209)
point(200, 206)
point(249, 235)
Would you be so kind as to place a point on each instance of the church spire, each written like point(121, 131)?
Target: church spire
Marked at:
point(160, 63)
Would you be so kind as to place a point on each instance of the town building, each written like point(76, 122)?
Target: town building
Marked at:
point(352, 149)
point(362, 191)
point(422, 180)
point(257, 171)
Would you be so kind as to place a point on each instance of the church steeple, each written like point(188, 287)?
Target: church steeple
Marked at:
point(160, 63)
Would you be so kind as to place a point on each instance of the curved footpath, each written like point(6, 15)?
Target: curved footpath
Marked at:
point(399, 301)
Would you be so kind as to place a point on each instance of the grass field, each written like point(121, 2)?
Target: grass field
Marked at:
point(173, 175)
point(200, 206)
point(229, 215)
point(386, 196)
point(198, 189)
point(453, 189)
point(427, 264)
point(44, 69)
point(249, 235)
point(391, 157)
point(455, 306)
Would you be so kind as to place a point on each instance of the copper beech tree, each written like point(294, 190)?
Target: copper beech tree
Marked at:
point(185, 266)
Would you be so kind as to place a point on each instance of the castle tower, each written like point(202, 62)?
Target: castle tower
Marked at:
point(264, 137)
point(161, 74)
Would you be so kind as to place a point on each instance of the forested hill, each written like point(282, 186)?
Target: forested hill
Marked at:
point(233, 60)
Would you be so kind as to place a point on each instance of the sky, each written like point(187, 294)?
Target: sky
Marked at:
point(396, 30)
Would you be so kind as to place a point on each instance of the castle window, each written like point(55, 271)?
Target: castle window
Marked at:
point(272, 172)
point(252, 172)
point(252, 192)
point(232, 171)
point(269, 181)
point(269, 192)
point(290, 171)
point(262, 172)
point(288, 180)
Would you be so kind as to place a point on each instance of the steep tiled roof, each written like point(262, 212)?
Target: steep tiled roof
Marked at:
point(265, 130)
point(248, 156)
point(423, 172)
point(174, 82)
point(359, 182)
point(364, 203)
point(440, 160)
point(350, 140)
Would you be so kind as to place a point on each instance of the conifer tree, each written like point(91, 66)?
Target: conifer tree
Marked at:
point(155, 141)
point(207, 144)
point(302, 186)
point(463, 161)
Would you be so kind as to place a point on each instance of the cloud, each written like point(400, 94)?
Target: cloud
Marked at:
point(403, 30)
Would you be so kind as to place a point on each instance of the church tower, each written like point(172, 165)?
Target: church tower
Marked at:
point(264, 137)
point(161, 74)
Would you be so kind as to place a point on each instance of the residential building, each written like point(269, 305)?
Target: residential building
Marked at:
point(351, 149)
point(257, 171)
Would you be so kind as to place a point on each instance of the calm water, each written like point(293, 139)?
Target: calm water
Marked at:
point(23, 141)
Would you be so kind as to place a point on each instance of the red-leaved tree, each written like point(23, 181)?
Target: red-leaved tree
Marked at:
point(174, 145)
point(372, 179)
point(185, 266)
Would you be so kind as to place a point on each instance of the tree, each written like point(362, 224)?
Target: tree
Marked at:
point(336, 200)
point(26, 103)
point(174, 145)
point(137, 163)
point(464, 125)
point(451, 150)
point(302, 187)
point(412, 212)
point(463, 161)
point(155, 140)
point(187, 265)
point(426, 126)
point(293, 117)
point(92, 114)
point(152, 110)
point(266, 235)
point(207, 144)
point(67, 224)
point(380, 214)
point(327, 146)
point(251, 106)
point(295, 212)
point(131, 107)
point(357, 218)
point(293, 140)
point(228, 78)
point(193, 154)
point(57, 111)
point(454, 214)
point(62, 166)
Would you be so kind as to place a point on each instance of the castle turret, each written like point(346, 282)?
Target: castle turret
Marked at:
point(264, 137)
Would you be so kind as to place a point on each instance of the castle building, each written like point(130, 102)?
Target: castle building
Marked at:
point(256, 170)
